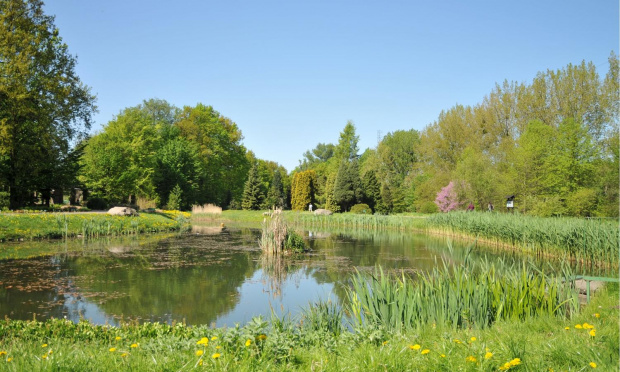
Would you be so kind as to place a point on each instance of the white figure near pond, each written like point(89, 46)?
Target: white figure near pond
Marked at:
point(310, 207)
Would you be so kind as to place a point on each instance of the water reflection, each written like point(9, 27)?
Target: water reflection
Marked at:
point(211, 276)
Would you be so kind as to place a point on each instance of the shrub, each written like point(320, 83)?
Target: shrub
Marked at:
point(361, 209)
point(4, 200)
point(428, 207)
point(174, 200)
point(294, 242)
point(97, 204)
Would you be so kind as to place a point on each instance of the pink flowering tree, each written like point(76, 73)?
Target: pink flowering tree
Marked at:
point(447, 199)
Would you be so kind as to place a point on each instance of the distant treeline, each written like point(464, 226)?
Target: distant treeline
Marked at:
point(552, 144)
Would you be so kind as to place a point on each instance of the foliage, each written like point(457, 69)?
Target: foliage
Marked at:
point(277, 238)
point(45, 106)
point(303, 190)
point(4, 200)
point(97, 204)
point(361, 209)
point(175, 198)
point(252, 193)
point(447, 199)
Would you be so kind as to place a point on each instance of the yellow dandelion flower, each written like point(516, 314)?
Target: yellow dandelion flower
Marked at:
point(414, 347)
point(593, 333)
point(472, 339)
point(515, 362)
point(218, 347)
point(50, 351)
point(9, 359)
point(505, 367)
point(442, 355)
point(457, 340)
point(567, 328)
point(587, 326)
point(262, 337)
point(597, 315)
point(216, 355)
point(118, 338)
point(425, 351)
point(124, 355)
point(488, 355)
point(578, 326)
point(200, 362)
point(199, 352)
point(112, 349)
point(203, 341)
point(213, 338)
point(385, 343)
point(44, 345)
point(471, 358)
point(134, 345)
point(592, 364)
point(248, 342)
point(44, 356)
point(2, 353)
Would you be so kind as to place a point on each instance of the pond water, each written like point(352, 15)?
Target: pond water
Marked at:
point(206, 277)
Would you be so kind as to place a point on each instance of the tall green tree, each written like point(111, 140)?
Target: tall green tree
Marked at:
point(276, 196)
point(253, 193)
point(43, 104)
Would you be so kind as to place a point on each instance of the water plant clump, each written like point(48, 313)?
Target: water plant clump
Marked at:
point(278, 238)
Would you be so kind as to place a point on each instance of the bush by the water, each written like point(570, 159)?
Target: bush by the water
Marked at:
point(277, 238)
point(97, 204)
point(361, 209)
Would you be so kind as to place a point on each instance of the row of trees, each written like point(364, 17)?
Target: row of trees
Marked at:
point(553, 144)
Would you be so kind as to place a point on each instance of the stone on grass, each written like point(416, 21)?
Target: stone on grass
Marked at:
point(323, 212)
point(122, 211)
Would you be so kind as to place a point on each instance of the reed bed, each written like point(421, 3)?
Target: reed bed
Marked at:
point(206, 209)
point(584, 240)
point(459, 297)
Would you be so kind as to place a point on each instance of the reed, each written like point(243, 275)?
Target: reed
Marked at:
point(458, 297)
point(206, 209)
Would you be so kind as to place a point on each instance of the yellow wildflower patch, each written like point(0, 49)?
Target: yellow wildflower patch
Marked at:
point(593, 333)
point(216, 355)
point(592, 364)
point(488, 355)
point(112, 349)
point(248, 342)
point(199, 352)
point(414, 347)
point(425, 351)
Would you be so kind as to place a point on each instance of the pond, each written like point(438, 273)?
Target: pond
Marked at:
point(204, 277)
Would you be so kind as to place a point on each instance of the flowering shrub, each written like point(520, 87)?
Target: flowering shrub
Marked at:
point(446, 199)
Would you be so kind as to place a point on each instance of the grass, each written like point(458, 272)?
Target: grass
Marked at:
point(58, 225)
point(311, 343)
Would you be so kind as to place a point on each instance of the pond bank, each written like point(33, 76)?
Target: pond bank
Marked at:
point(33, 226)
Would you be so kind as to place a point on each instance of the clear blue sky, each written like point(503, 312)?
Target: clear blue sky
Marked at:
point(291, 73)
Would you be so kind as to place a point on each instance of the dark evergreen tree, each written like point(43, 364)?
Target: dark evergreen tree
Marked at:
point(275, 196)
point(372, 191)
point(348, 186)
point(252, 192)
point(386, 200)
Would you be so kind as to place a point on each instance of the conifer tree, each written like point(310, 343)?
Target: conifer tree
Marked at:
point(252, 192)
point(275, 196)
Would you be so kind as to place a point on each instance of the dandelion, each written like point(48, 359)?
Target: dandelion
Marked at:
point(472, 339)
point(50, 351)
point(199, 352)
point(124, 355)
point(44, 356)
point(587, 326)
point(385, 343)
point(505, 367)
point(218, 347)
point(2, 353)
point(112, 349)
point(216, 355)
point(414, 347)
point(44, 345)
point(262, 337)
point(203, 341)
point(134, 345)
point(118, 338)
point(515, 362)
point(593, 333)
point(456, 340)
point(425, 351)
point(578, 326)
point(567, 328)
point(488, 355)
point(592, 364)
point(597, 315)
point(200, 362)
point(471, 358)
point(248, 342)
point(9, 359)
point(213, 338)
point(442, 355)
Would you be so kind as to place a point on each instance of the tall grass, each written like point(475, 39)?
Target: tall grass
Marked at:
point(585, 240)
point(206, 209)
point(458, 297)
